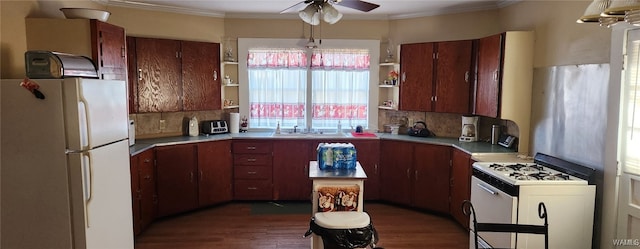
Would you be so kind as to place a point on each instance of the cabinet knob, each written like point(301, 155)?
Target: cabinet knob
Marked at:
point(251, 159)
point(466, 76)
point(139, 73)
point(252, 172)
point(252, 188)
point(251, 147)
point(215, 75)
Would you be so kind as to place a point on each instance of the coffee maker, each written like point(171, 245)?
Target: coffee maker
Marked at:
point(469, 129)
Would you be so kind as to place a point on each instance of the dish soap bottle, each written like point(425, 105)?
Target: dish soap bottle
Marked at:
point(278, 128)
point(339, 127)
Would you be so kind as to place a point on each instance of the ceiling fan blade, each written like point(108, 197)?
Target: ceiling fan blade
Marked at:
point(358, 4)
point(297, 7)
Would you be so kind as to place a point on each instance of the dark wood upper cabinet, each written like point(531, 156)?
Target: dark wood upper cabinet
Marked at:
point(489, 77)
point(416, 76)
point(436, 76)
point(453, 80)
point(200, 76)
point(174, 75)
point(159, 70)
point(109, 52)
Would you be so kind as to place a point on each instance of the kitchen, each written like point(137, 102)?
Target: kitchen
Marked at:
point(559, 42)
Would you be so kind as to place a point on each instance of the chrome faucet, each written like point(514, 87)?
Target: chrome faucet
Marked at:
point(295, 127)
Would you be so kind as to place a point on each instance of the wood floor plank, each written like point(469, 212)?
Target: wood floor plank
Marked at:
point(233, 226)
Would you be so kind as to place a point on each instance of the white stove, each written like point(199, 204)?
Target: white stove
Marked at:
point(509, 192)
point(527, 173)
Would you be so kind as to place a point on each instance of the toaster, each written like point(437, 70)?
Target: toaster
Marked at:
point(214, 127)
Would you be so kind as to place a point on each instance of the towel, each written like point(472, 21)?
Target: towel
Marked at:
point(364, 134)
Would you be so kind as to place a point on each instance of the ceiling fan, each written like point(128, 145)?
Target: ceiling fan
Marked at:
point(317, 9)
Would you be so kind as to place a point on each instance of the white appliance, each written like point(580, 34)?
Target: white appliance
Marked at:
point(510, 192)
point(469, 129)
point(65, 164)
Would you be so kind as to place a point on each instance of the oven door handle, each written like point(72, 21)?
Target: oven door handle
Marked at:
point(487, 189)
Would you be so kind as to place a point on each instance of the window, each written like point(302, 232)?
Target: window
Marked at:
point(309, 89)
point(277, 83)
point(340, 87)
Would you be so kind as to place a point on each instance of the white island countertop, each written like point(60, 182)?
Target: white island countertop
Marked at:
point(339, 174)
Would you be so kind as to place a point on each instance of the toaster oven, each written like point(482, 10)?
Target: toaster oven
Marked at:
point(214, 127)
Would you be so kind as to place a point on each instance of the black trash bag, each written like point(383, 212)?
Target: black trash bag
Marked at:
point(345, 238)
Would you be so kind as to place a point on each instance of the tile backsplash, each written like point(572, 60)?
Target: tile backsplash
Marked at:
point(443, 124)
point(166, 124)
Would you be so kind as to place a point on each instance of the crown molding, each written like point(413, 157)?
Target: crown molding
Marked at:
point(201, 12)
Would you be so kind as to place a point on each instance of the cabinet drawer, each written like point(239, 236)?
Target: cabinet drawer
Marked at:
point(253, 190)
point(252, 159)
point(252, 172)
point(252, 147)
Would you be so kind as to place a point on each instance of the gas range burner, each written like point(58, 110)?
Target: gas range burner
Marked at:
point(525, 167)
point(498, 167)
point(521, 176)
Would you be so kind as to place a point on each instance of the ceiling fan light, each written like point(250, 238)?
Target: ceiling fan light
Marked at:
point(310, 15)
point(592, 13)
point(620, 7)
point(330, 14)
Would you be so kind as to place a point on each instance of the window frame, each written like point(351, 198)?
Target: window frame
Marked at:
point(244, 44)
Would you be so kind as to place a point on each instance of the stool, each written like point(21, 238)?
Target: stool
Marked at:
point(343, 230)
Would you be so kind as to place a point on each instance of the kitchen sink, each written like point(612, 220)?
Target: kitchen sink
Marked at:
point(308, 134)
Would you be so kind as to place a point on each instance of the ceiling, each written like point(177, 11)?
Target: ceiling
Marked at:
point(389, 9)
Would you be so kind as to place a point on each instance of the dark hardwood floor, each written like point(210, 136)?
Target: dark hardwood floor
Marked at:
point(233, 226)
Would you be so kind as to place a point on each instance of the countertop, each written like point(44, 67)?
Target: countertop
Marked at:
point(480, 151)
point(316, 174)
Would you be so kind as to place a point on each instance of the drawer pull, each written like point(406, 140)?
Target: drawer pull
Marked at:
point(252, 188)
point(251, 147)
point(251, 159)
point(485, 188)
point(252, 172)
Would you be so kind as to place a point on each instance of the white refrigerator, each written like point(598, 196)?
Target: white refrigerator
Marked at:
point(65, 179)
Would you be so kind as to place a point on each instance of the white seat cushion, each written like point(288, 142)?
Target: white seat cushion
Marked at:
point(342, 220)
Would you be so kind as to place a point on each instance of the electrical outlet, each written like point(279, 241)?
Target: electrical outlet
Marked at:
point(163, 124)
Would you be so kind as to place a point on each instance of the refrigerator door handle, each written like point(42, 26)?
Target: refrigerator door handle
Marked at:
point(88, 187)
point(84, 123)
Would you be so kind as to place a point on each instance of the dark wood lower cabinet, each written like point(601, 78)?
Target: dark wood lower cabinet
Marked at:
point(214, 173)
point(143, 190)
point(431, 165)
point(461, 169)
point(177, 179)
point(416, 174)
point(188, 176)
point(291, 169)
point(396, 163)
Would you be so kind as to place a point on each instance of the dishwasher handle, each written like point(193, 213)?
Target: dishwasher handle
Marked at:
point(485, 188)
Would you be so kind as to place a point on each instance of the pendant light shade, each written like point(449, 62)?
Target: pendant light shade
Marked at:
point(310, 14)
point(593, 11)
point(620, 7)
point(330, 14)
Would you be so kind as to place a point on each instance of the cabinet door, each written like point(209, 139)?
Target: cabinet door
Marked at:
point(416, 77)
point(489, 75)
point(109, 50)
point(177, 183)
point(395, 165)
point(214, 172)
point(135, 194)
point(291, 170)
point(369, 157)
point(453, 77)
point(159, 71)
point(148, 194)
point(431, 177)
point(460, 185)
point(201, 76)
